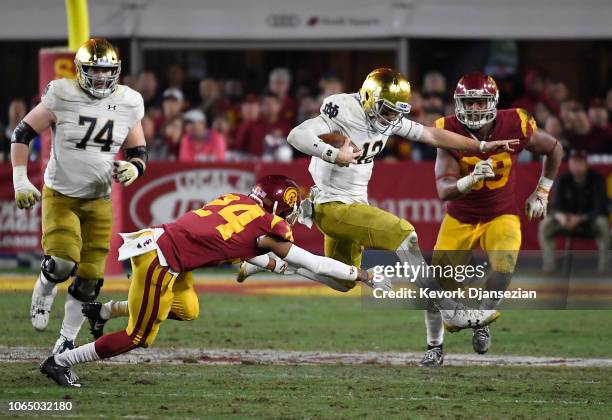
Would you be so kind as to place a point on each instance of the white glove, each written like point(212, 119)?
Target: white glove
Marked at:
point(26, 194)
point(537, 203)
point(482, 170)
point(124, 172)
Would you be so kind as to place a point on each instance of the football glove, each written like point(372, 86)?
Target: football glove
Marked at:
point(124, 172)
point(537, 203)
point(26, 194)
point(482, 170)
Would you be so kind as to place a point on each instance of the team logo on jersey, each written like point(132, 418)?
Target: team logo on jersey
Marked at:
point(291, 196)
point(331, 110)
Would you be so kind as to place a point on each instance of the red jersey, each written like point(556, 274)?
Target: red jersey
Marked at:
point(495, 196)
point(224, 229)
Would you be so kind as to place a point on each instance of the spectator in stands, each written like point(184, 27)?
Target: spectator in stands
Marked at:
point(434, 83)
point(172, 107)
point(221, 125)
point(279, 83)
point(212, 102)
point(534, 92)
point(175, 77)
point(261, 136)
point(579, 207)
point(309, 108)
point(433, 107)
point(171, 135)
point(576, 125)
point(600, 136)
point(233, 91)
point(554, 127)
point(200, 144)
point(147, 86)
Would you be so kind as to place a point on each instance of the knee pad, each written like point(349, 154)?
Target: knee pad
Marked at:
point(85, 290)
point(56, 269)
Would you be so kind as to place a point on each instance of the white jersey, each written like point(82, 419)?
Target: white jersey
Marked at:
point(87, 134)
point(343, 114)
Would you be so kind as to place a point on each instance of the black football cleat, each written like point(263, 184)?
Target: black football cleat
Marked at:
point(91, 310)
point(61, 375)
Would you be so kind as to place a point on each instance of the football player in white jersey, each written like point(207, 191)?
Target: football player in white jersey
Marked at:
point(341, 175)
point(91, 119)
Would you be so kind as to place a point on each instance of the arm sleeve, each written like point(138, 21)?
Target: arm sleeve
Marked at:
point(305, 138)
point(410, 130)
point(320, 265)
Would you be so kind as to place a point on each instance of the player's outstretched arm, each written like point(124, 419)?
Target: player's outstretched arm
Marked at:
point(37, 120)
point(127, 171)
point(305, 138)
point(301, 258)
point(439, 137)
point(542, 143)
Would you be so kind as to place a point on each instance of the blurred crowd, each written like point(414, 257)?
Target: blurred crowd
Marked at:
point(221, 121)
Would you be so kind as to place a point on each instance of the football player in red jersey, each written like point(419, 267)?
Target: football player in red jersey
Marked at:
point(234, 226)
point(480, 190)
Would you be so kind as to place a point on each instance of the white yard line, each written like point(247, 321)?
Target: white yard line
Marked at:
point(284, 357)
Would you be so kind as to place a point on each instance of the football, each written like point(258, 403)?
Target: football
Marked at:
point(337, 140)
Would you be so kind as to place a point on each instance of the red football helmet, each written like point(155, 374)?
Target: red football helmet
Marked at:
point(474, 87)
point(278, 195)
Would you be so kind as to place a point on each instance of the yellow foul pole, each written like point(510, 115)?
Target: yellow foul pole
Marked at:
point(78, 23)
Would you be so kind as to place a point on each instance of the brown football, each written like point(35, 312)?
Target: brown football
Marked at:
point(336, 140)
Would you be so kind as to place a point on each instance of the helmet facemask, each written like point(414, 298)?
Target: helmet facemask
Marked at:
point(96, 84)
point(385, 116)
point(475, 118)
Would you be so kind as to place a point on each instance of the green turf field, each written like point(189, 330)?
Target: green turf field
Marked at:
point(333, 324)
point(196, 391)
point(153, 390)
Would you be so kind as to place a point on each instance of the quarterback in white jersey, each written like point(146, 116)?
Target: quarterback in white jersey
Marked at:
point(91, 119)
point(341, 176)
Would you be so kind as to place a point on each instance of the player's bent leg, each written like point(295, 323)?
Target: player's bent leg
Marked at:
point(185, 304)
point(80, 291)
point(53, 270)
point(149, 299)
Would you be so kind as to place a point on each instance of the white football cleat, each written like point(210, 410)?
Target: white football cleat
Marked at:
point(462, 318)
point(41, 306)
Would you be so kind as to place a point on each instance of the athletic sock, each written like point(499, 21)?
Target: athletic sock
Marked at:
point(44, 286)
point(112, 309)
point(435, 328)
point(73, 317)
point(82, 354)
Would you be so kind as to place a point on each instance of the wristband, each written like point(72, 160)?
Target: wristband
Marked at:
point(329, 153)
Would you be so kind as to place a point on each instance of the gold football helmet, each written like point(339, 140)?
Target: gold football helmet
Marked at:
point(385, 97)
point(98, 67)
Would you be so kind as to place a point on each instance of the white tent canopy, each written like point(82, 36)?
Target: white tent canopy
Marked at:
point(252, 20)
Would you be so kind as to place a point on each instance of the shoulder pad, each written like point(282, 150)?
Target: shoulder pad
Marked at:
point(340, 107)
